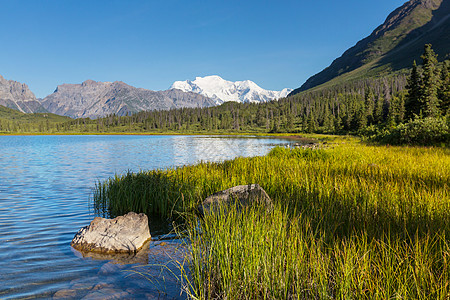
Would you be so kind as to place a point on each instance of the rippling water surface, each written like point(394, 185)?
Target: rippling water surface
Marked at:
point(45, 185)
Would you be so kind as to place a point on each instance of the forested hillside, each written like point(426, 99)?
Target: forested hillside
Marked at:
point(392, 46)
point(14, 121)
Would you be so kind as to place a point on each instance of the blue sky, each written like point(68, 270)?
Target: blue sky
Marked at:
point(151, 44)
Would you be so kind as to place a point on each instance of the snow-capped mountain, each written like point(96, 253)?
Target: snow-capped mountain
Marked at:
point(222, 90)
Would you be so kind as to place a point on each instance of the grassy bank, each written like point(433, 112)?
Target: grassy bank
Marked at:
point(350, 221)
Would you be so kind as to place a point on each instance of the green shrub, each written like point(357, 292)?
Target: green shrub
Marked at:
point(427, 131)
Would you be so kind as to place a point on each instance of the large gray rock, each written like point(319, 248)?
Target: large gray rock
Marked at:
point(242, 195)
point(123, 234)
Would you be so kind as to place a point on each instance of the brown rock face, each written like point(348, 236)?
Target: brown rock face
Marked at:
point(243, 195)
point(124, 234)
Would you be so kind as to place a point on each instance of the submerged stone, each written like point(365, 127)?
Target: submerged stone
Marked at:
point(65, 294)
point(108, 293)
point(124, 234)
point(242, 195)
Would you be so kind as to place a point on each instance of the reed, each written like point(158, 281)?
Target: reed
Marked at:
point(255, 255)
point(351, 221)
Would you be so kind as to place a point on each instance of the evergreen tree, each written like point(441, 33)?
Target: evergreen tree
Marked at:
point(260, 119)
point(412, 103)
point(430, 83)
point(378, 114)
point(369, 103)
point(361, 118)
point(444, 91)
point(289, 123)
point(328, 121)
point(338, 124)
point(312, 123)
point(304, 123)
point(401, 109)
point(394, 114)
point(386, 108)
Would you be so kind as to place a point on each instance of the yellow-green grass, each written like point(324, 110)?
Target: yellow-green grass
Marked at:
point(260, 255)
point(350, 221)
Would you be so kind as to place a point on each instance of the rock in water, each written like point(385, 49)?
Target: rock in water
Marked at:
point(124, 234)
point(243, 195)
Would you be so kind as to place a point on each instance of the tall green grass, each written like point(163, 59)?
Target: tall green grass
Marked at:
point(350, 222)
point(255, 255)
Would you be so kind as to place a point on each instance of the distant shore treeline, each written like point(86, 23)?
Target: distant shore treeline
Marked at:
point(369, 106)
point(336, 109)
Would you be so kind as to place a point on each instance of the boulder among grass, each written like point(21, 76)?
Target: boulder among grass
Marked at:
point(124, 234)
point(241, 195)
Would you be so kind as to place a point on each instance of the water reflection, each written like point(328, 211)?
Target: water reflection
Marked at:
point(188, 149)
point(45, 185)
point(141, 257)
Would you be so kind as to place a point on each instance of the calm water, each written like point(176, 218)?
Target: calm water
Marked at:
point(45, 185)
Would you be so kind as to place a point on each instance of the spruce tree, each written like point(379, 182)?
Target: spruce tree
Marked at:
point(312, 123)
point(412, 103)
point(337, 124)
point(395, 114)
point(444, 91)
point(378, 114)
point(289, 123)
point(430, 83)
point(401, 109)
point(369, 103)
point(361, 118)
point(328, 121)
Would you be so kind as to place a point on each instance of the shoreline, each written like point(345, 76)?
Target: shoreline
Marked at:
point(354, 199)
point(295, 136)
point(307, 137)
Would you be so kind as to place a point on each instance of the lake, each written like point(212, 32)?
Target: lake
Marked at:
point(45, 188)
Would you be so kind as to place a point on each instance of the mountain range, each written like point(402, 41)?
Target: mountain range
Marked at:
point(393, 45)
point(92, 99)
point(221, 90)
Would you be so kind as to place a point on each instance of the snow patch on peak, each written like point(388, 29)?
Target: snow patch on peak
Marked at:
point(221, 90)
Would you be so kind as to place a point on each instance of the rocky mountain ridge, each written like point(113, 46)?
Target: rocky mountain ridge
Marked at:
point(92, 99)
point(18, 96)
